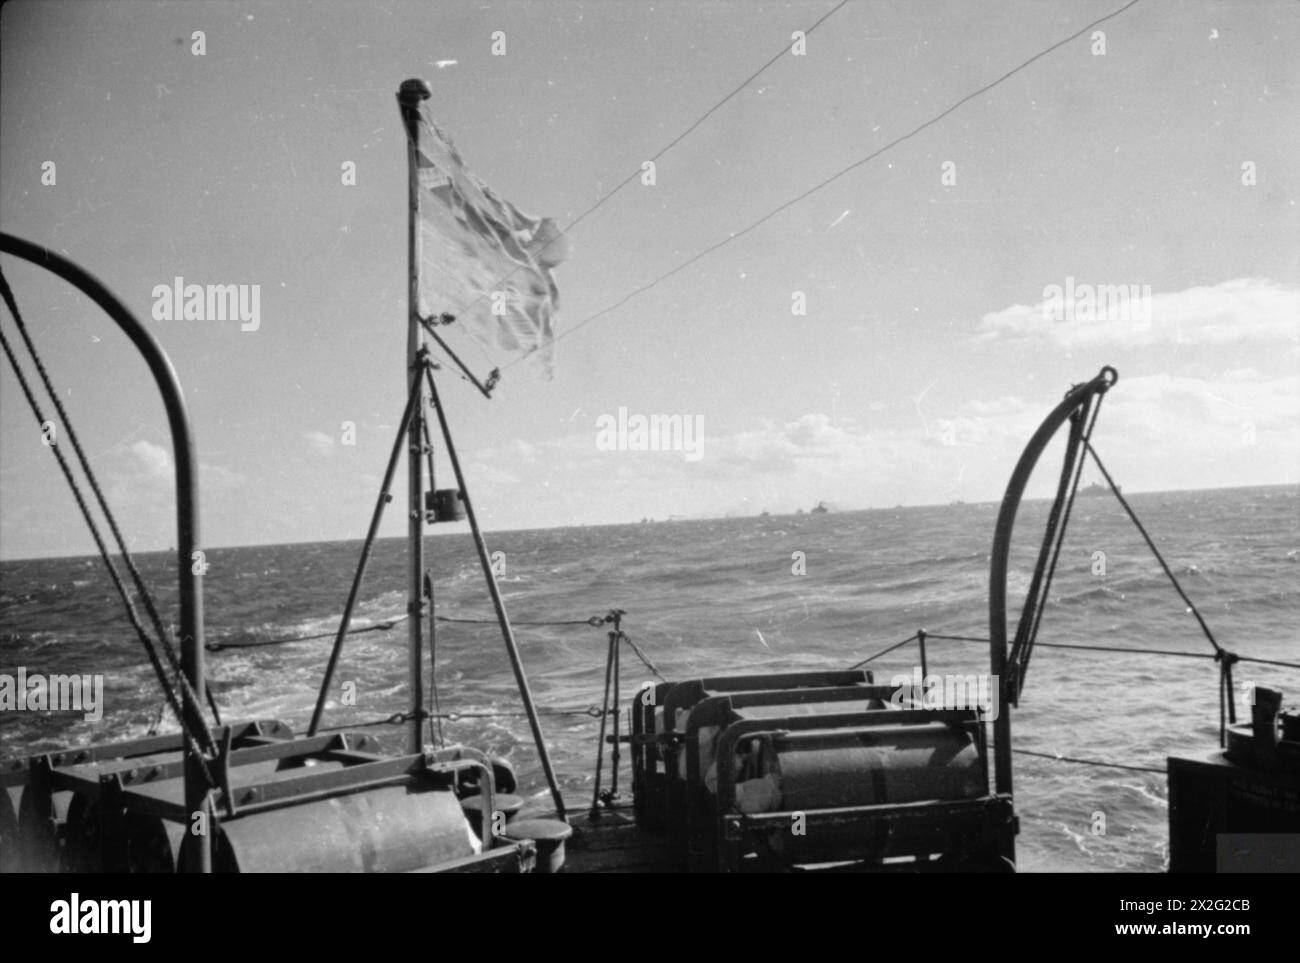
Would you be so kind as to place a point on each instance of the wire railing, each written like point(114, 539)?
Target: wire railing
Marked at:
point(596, 712)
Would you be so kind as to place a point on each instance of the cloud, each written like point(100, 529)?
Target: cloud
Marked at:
point(322, 443)
point(1197, 411)
point(215, 478)
point(812, 431)
point(1245, 309)
point(155, 460)
point(1156, 432)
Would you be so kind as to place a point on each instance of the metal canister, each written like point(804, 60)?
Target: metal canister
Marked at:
point(448, 505)
point(824, 769)
point(391, 829)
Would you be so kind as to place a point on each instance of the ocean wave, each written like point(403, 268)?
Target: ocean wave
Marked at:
point(697, 594)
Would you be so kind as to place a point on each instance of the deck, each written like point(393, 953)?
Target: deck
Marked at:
point(613, 843)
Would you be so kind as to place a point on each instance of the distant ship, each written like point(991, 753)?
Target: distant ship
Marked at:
point(821, 509)
point(1096, 488)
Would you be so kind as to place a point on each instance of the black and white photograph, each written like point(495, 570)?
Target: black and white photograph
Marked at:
point(652, 437)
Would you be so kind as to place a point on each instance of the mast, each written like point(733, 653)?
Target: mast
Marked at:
point(409, 97)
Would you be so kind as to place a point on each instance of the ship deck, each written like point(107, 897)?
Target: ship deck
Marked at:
point(614, 843)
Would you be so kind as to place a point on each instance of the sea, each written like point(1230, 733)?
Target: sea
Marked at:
point(734, 595)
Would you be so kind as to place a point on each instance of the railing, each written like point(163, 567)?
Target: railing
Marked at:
point(187, 499)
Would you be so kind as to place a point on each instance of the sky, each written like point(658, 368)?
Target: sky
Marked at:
point(927, 352)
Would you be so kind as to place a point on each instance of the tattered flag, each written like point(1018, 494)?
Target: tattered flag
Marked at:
point(483, 262)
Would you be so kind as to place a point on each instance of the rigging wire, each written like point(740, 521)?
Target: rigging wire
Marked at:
point(593, 621)
point(401, 718)
point(141, 588)
point(736, 235)
point(663, 150)
point(1226, 659)
point(1088, 762)
point(196, 745)
point(885, 651)
point(383, 626)
point(645, 660)
point(1191, 606)
point(1128, 650)
point(930, 636)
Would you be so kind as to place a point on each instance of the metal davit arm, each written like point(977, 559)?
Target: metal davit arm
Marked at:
point(187, 501)
point(1076, 397)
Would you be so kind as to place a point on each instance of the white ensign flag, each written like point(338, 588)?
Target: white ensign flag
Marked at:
point(483, 260)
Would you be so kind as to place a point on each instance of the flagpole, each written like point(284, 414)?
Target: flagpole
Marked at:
point(411, 93)
point(408, 98)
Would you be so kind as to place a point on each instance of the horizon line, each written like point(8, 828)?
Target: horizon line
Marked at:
point(669, 520)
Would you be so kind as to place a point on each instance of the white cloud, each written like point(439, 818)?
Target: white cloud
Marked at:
point(215, 478)
point(1245, 309)
point(154, 459)
point(812, 431)
point(1194, 411)
point(322, 443)
point(1155, 431)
